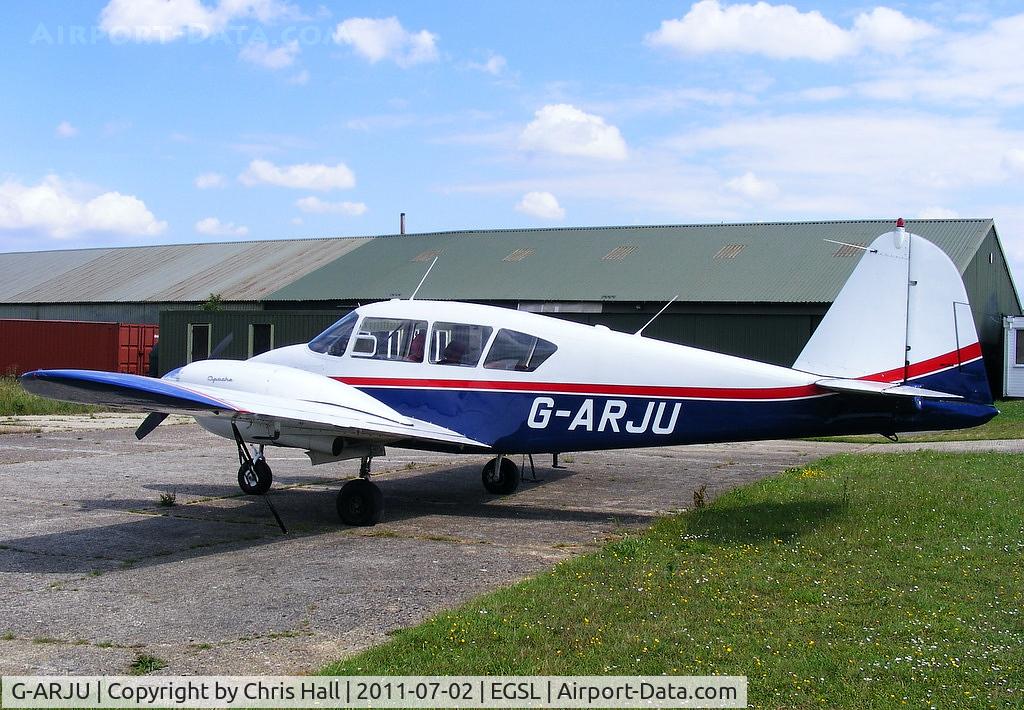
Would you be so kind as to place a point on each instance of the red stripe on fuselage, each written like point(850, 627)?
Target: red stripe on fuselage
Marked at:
point(584, 388)
point(926, 367)
point(930, 366)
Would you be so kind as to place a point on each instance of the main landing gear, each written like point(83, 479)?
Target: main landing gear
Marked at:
point(360, 501)
point(501, 475)
point(254, 474)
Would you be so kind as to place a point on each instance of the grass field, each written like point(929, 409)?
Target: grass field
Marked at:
point(1009, 424)
point(876, 581)
point(14, 400)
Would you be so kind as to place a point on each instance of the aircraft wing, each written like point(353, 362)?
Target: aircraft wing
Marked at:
point(355, 417)
point(881, 388)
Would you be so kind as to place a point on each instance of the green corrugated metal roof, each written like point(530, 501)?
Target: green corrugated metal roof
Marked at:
point(238, 271)
point(777, 262)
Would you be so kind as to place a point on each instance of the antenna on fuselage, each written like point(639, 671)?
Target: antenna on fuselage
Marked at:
point(663, 308)
point(847, 244)
point(413, 296)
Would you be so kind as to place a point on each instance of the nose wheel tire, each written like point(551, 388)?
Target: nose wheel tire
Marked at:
point(501, 480)
point(360, 503)
point(255, 477)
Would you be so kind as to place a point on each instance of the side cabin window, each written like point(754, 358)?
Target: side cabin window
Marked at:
point(391, 339)
point(458, 343)
point(512, 350)
point(334, 340)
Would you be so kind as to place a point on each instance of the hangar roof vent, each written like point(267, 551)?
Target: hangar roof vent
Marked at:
point(729, 251)
point(427, 255)
point(519, 254)
point(620, 252)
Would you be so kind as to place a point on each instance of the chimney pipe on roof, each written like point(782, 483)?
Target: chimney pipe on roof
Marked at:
point(401, 223)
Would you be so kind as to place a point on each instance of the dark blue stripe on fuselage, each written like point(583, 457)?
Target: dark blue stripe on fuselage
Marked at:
point(574, 422)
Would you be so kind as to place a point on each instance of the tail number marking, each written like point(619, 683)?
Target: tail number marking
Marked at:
point(655, 416)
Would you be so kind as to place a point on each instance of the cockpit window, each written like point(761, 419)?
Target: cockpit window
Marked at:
point(512, 350)
point(391, 339)
point(334, 340)
point(458, 343)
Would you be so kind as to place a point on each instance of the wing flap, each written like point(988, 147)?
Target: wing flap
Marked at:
point(888, 389)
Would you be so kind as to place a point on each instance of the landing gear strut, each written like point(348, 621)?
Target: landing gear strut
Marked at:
point(501, 475)
point(254, 474)
point(360, 502)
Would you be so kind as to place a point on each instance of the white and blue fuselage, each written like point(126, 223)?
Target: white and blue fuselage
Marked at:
point(601, 389)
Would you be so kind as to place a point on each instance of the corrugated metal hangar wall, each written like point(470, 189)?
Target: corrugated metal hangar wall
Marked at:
point(754, 290)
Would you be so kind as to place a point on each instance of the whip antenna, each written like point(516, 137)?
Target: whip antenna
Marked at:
point(413, 296)
point(657, 314)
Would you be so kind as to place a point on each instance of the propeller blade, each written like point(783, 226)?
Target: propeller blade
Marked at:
point(151, 422)
point(222, 345)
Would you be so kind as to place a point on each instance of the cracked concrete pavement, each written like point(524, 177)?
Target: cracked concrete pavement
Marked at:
point(95, 570)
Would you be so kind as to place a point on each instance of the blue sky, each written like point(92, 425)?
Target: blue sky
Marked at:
point(155, 121)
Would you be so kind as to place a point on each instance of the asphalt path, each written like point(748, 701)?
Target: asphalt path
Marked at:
point(95, 570)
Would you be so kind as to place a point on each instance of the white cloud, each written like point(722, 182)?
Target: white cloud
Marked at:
point(297, 221)
point(304, 176)
point(981, 66)
point(379, 39)
point(752, 187)
point(207, 181)
point(651, 184)
point(936, 212)
point(495, 65)
point(169, 20)
point(317, 206)
point(52, 208)
point(890, 31)
point(542, 205)
point(1013, 160)
point(566, 130)
point(260, 54)
point(824, 93)
point(65, 130)
point(213, 227)
point(858, 163)
point(300, 79)
point(783, 32)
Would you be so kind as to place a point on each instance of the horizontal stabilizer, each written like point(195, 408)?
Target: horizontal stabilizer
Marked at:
point(883, 388)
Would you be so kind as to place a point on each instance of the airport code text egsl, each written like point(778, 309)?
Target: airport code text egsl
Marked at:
point(374, 691)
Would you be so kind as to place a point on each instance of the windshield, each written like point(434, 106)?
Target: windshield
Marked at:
point(334, 340)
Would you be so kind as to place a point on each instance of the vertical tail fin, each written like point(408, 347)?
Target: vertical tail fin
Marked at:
point(902, 316)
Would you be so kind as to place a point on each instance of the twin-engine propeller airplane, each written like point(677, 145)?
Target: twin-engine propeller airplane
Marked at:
point(897, 351)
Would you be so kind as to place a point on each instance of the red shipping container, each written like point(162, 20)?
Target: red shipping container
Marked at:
point(39, 344)
point(135, 340)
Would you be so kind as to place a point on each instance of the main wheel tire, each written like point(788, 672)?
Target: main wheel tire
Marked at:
point(360, 503)
point(505, 480)
point(255, 481)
